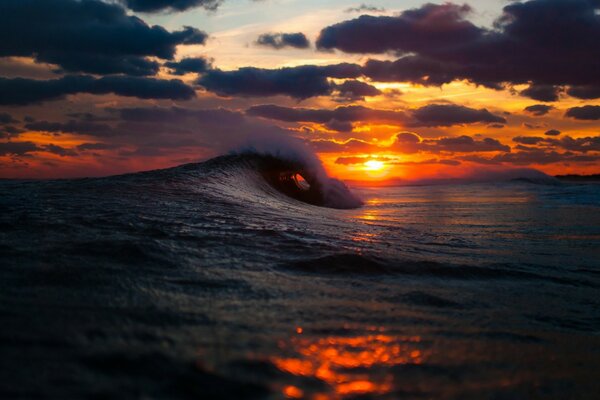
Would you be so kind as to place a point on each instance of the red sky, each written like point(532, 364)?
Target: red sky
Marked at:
point(389, 90)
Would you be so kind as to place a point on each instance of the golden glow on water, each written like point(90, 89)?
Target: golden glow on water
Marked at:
point(350, 366)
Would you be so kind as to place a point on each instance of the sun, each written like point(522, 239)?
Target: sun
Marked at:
point(374, 165)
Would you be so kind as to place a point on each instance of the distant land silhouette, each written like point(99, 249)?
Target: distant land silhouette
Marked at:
point(579, 178)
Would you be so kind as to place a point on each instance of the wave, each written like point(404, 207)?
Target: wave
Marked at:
point(249, 175)
point(344, 264)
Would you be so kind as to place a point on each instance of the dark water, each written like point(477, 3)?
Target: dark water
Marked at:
point(205, 281)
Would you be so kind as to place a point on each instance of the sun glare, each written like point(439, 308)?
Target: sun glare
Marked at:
point(374, 165)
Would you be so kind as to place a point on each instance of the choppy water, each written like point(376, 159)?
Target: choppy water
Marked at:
point(204, 281)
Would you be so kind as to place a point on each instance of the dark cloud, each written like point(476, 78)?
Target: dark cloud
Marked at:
point(340, 114)
point(466, 144)
point(533, 42)
point(59, 150)
point(582, 145)
point(579, 145)
point(416, 69)
point(534, 156)
point(547, 93)
point(21, 91)
point(151, 6)
point(430, 116)
point(297, 82)
point(409, 142)
point(77, 127)
point(280, 40)
point(87, 36)
point(430, 27)
point(96, 146)
point(8, 131)
point(451, 114)
point(529, 140)
point(552, 132)
point(429, 162)
point(7, 119)
point(17, 148)
point(356, 90)
point(584, 92)
point(196, 65)
point(589, 113)
point(349, 146)
point(340, 126)
point(538, 109)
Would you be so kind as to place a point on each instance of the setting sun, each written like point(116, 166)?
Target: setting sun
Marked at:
point(374, 165)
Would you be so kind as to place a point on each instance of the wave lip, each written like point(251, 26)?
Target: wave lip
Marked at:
point(303, 181)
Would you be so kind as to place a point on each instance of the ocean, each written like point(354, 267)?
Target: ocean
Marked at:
point(235, 278)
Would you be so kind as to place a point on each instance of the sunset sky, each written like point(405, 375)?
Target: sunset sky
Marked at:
point(384, 89)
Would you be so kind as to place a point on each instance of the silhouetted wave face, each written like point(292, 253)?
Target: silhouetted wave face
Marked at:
point(298, 180)
point(258, 276)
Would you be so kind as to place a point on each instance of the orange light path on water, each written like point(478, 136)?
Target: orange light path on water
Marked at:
point(354, 365)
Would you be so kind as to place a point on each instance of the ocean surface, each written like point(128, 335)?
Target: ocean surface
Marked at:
point(218, 280)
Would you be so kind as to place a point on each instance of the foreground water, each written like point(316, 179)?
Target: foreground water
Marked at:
point(206, 282)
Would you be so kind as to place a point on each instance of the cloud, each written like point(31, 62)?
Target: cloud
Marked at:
point(393, 161)
point(96, 146)
point(452, 114)
point(409, 143)
point(429, 162)
point(59, 150)
point(588, 113)
point(538, 109)
point(196, 65)
point(533, 42)
point(8, 131)
point(429, 116)
point(429, 27)
point(466, 144)
point(532, 126)
point(174, 115)
point(535, 156)
point(7, 119)
point(584, 92)
point(152, 6)
point(546, 93)
point(552, 132)
point(87, 36)
point(579, 145)
point(529, 140)
point(280, 40)
point(416, 69)
point(583, 144)
point(21, 91)
point(340, 114)
point(356, 90)
point(365, 8)
point(349, 146)
point(72, 126)
point(361, 160)
point(17, 148)
point(297, 82)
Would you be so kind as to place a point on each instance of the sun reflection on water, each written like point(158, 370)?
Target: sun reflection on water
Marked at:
point(349, 365)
